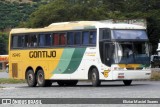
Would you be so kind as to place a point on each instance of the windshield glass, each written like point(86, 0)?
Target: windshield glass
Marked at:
point(131, 52)
point(129, 34)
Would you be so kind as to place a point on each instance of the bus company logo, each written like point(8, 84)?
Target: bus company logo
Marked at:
point(6, 101)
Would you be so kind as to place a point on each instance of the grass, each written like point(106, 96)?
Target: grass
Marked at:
point(155, 75)
point(1, 70)
point(10, 81)
point(2, 87)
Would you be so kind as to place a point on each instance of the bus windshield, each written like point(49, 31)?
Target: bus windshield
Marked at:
point(131, 52)
point(129, 34)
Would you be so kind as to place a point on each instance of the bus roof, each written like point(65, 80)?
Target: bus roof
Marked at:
point(77, 25)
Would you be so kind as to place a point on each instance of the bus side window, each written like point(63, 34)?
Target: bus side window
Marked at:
point(77, 38)
point(70, 38)
point(85, 38)
point(26, 41)
point(62, 38)
point(44, 40)
point(17, 41)
point(55, 39)
point(30, 41)
point(106, 34)
point(33, 41)
point(92, 37)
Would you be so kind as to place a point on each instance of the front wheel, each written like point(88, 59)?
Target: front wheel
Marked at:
point(95, 78)
point(127, 82)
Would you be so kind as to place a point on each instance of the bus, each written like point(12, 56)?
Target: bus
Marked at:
point(67, 52)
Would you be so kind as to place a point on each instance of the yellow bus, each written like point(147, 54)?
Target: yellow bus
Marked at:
point(67, 52)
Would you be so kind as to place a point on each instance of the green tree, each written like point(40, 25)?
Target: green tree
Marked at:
point(3, 43)
point(75, 10)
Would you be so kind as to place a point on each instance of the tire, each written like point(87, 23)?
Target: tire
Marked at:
point(31, 79)
point(127, 82)
point(95, 78)
point(40, 79)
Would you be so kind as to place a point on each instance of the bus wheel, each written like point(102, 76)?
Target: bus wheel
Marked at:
point(60, 83)
point(40, 78)
point(127, 82)
point(95, 78)
point(31, 79)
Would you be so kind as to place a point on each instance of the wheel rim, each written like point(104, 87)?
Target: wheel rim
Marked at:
point(30, 78)
point(40, 78)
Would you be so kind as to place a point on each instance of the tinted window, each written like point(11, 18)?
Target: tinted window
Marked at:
point(85, 38)
point(17, 41)
point(77, 38)
point(105, 34)
point(30, 40)
point(89, 37)
point(55, 39)
point(92, 37)
point(44, 39)
point(62, 38)
point(70, 38)
point(129, 34)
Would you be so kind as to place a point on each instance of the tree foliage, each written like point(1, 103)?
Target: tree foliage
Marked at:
point(50, 11)
point(12, 13)
point(3, 43)
point(74, 10)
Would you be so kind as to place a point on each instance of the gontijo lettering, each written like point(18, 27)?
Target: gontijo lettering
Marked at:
point(42, 54)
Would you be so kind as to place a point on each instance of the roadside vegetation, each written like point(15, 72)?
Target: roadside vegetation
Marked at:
point(2, 87)
point(10, 81)
point(1, 70)
point(155, 75)
point(41, 13)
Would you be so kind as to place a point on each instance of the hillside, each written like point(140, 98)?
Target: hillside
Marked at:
point(12, 12)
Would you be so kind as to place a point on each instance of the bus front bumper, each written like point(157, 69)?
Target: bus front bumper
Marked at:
point(131, 74)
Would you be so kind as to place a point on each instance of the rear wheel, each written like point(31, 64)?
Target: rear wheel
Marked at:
point(95, 78)
point(127, 82)
point(41, 79)
point(31, 79)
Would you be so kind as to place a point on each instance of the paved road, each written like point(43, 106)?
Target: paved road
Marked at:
point(139, 89)
point(4, 75)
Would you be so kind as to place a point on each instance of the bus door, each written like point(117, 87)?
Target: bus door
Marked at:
point(108, 53)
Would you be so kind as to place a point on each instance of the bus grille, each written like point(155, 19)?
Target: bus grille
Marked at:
point(14, 70)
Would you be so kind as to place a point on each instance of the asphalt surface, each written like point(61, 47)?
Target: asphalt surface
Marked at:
point(4, 75)
point(116, 89)
point(138, 89)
